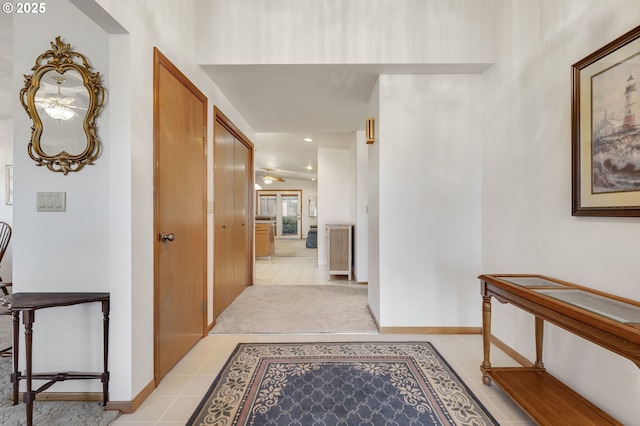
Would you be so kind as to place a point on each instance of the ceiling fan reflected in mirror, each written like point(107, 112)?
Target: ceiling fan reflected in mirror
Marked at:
point(57, 105)
point(268, 178)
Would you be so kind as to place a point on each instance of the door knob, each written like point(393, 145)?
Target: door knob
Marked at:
point(167, 237)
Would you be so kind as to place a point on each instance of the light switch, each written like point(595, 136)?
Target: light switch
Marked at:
point(52, 202)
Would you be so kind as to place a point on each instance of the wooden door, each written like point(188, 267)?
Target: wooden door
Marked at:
point(180, 120)
point(233, 213)
point(223, 278)
point(242, 217)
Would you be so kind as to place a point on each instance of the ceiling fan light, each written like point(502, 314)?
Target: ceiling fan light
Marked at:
point(56, 105)
point(267, 180)
point(59, 112)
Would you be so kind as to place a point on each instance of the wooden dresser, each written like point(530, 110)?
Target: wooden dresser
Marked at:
point(265, 238)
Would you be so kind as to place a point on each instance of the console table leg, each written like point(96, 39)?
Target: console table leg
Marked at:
point(15, 377)
point(539, 339)
point(105, 335)
point(29, 395)
point(486, 339)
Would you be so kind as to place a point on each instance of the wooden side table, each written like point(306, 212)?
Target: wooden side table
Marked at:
point(609, 321)
point(27, 304)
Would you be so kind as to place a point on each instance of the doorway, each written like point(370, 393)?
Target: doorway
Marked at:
point(285, 208)
point(180, 209)
point(290, 208)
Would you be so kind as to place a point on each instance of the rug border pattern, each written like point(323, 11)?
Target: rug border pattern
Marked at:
point(239, 379)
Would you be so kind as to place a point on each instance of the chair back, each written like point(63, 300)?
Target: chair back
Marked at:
point(5, 237)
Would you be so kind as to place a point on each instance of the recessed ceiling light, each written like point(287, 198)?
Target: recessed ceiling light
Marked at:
point(308, 140)
point(309, 168)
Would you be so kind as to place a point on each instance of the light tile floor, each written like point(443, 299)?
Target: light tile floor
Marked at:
point(180, 391)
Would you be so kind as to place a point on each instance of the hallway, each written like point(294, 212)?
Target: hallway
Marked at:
point(293, 264)
point(291, 295)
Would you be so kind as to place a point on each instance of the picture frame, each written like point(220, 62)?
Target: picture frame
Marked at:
point(605, 127)
point(9, 184)
point(313, 206)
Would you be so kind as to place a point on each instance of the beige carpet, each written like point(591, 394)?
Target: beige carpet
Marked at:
point(293, 248)
point(292, 309)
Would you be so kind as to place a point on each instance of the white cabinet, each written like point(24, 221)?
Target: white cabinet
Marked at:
point(340, 249)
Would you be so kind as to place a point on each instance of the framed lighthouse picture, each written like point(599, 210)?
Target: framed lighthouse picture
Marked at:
point(605, 121)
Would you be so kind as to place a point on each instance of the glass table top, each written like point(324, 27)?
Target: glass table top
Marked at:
point(531, 282)
point(609, 308)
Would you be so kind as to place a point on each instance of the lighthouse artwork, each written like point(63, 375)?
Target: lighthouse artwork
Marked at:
point(616, 128)
point(605, 130)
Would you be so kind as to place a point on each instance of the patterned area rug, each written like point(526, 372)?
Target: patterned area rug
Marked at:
point(339, 384)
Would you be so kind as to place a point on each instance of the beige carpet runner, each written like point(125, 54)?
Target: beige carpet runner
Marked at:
point(293, 309)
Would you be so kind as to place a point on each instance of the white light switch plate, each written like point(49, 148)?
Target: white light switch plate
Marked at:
point(51, 202)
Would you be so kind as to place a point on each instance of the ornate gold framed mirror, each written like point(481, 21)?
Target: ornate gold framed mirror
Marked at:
point(63, 97)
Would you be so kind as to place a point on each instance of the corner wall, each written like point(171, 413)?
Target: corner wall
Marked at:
point(526, 187)
point(334, 194)
point(429, 200)
point(360, 170)
point(50, 249)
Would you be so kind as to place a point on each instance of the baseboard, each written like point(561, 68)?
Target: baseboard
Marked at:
point(422, 330)
point(375, 320)
point(128, 407)
point(429, 330)
point(66, 396)
point(512, 353)
point(362, 282)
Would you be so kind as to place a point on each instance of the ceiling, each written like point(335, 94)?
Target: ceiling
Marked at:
point(286, 103)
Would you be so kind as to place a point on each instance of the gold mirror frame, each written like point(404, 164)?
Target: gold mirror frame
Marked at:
point(61, 59)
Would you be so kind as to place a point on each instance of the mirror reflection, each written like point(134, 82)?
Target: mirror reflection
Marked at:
point(61, 103)
point(63, 98)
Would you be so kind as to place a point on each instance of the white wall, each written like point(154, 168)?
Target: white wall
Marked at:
point(348, 32)
point(6, 211)
point(50, 249)
point(373, 205)
point(429, 200)
point(360, 169)
point(333, 194)
point(526, 216)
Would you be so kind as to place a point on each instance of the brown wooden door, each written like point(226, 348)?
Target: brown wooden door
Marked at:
point(180, 119)
point(241, 218)
point(223, 218)
point(233, 213)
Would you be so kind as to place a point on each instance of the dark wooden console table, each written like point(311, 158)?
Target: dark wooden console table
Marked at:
point(27, 304)
point(607, 320)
